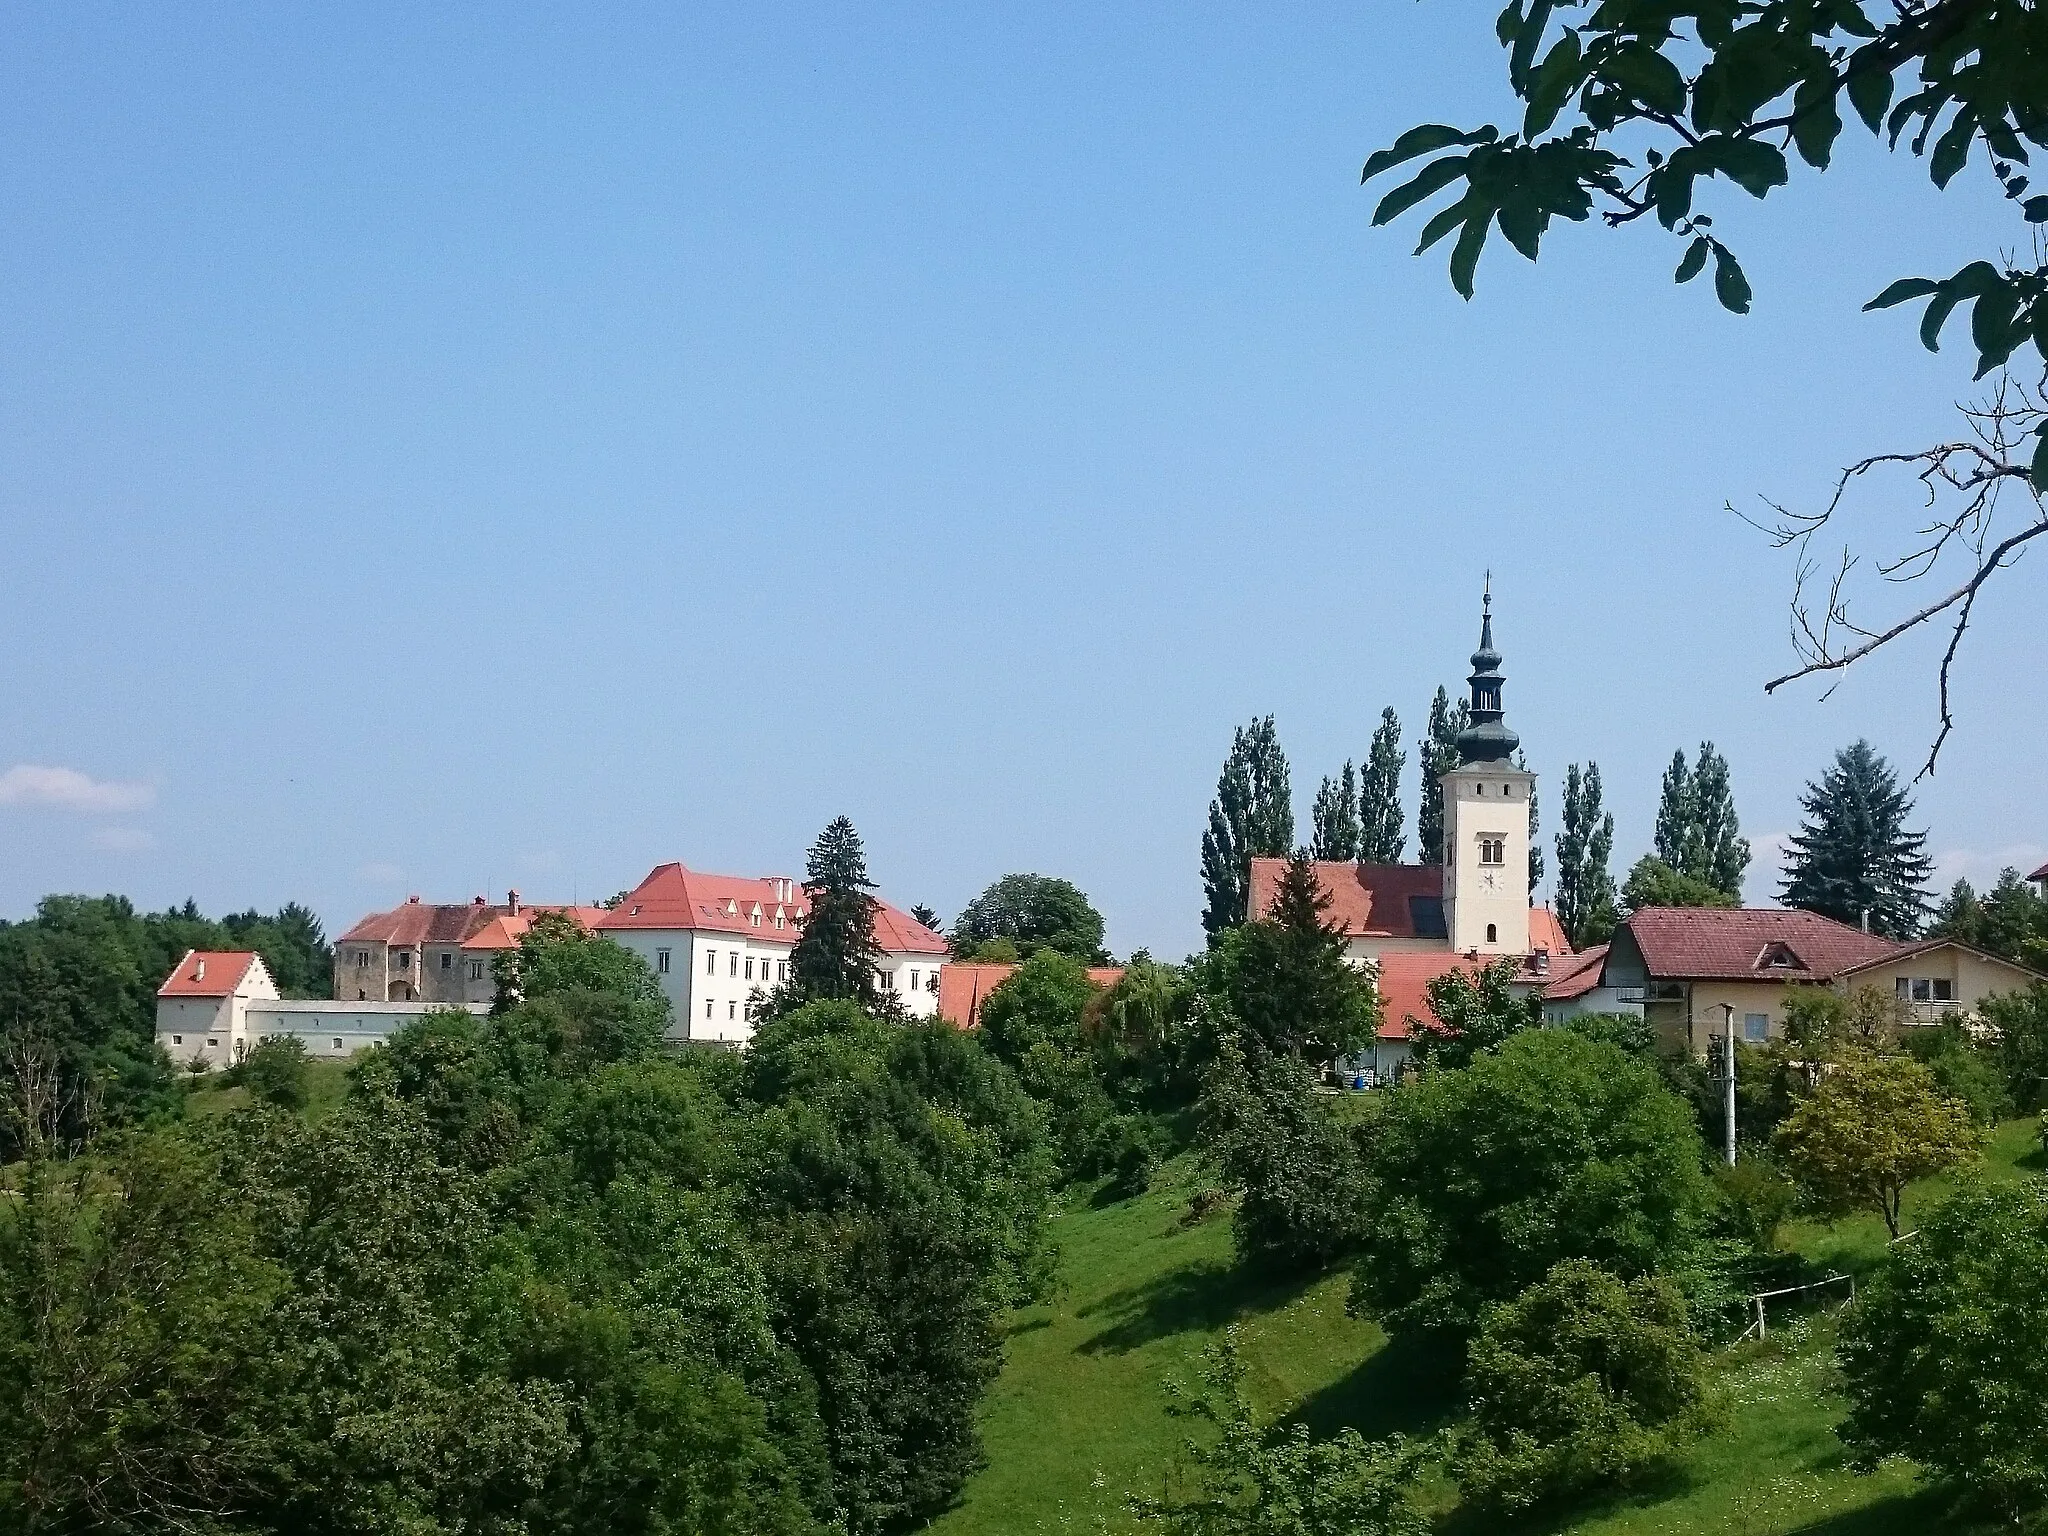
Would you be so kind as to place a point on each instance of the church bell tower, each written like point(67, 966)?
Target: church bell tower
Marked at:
point(1486, 818)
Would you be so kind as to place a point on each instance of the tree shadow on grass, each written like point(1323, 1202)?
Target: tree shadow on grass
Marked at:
point(1193, 1298)
point(1409, 1386)
point(1925, 1512)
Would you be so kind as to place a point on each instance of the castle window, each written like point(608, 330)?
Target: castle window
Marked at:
point(447, 960)
point(476, 970)
point(1492, 850)
point(661, 962)
point(732, 1010)
point(177, 1039)
point(732, 962)
point(1492, 933)
point(337, 1042)
point(710, 964)
point(750, 967)
point(707, 1007)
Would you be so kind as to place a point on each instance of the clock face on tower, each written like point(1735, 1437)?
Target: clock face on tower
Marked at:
point(1487, 880)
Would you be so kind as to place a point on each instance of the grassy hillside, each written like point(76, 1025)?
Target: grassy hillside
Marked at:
point(1078, 1418)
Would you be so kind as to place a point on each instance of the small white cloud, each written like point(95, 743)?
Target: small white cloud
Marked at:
point(382, 874)
point(1767, 852)
point(123, 839)
point(67, 789)
point(1981, 867)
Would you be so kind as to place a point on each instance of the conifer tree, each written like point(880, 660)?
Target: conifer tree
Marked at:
point(1285, 978)
point(836, 956)
point(1723, 850)
point(1535, 827)
point(1585, 888)
point(1437, 753)
point(1960, 916)
point(1251, 817)
point(1380, 835)
point(1852, 857)
point(1676, 837)
point(929, 917)
point(1335, 817)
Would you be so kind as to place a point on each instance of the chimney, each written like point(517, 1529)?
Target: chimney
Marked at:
point(1866, 919)
point(199, 970)
point(512, 901)
point(478, 901)
point(1542, 962)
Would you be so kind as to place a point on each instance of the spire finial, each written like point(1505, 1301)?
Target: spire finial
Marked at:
point(1486, 738)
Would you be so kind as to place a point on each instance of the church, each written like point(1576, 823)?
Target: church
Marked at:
point(1407, 924)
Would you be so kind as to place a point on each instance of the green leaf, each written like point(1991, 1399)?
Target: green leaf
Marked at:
point(1849, 17)
point(2038, 473)
point(1816, 121)
point(1672, 187)
point(1870, 87)
point(1946, 298)
point(1648, 76)
point(1465, 254)
point(1905, 288)
point(1752, 165)
point(1447, 220)
point(1552, 86)
point(1695, 260)
point(1527, 41)
point(1952, 149)
point(1523, 220)
point(1509, 27)
point(1992, 327)
point(2035, 210)
point(1433, 178)
point(1421, 141)
point(1730, 286)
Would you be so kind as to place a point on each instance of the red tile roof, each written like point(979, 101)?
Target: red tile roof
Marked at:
point(1404, 978)
point(1546, 932)
point(1579, 975)
point(2040, 874)
point(1923, 946)
point(674, 897)
point(506, 929)
point(1376, 900)
point(965, 985)
point(208, 973)
point(1749, 943)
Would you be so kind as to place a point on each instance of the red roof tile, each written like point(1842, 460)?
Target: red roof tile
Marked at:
point(208, 973)
point(1404, 978)
point(1394, 901)
point(1546, 932)
point(677, 898)
point(506, 929)
point(1579, 975)
point(2039, 874)
point(965, 985)
point(1749, 943)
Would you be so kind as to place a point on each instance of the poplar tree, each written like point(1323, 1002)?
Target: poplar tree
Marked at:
point(1437, 752)
point(1724, 851)
point(836, 956)
point(1335, 817)
point(1853, 857)
point(1585, 889)
point(1380, 838)
point(1251, 817)
point(1676, 835)
point(1535, 826)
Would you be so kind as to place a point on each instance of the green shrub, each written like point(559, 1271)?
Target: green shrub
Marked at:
point(1578, 1382)
point(275, 1072)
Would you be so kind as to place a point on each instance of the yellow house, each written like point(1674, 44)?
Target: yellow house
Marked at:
point(1696, 969)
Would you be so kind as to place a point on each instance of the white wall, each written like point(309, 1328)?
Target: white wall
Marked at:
point(320, 1025)
point(1484, 801)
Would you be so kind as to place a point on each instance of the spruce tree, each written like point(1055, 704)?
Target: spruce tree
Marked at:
point(1852, 858)
point(1677, 834)
point(1585, 888)
point(1723, 850)
point(929, 917)
point(1251, 817)
point(1437, 752)
point(1535, 826)
point(1335, 817)
point(1286, 980)
point(1380, 835)
point(1960, 916)
point(836, 955)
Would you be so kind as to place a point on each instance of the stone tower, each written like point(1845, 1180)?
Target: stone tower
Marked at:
point(1486, 819)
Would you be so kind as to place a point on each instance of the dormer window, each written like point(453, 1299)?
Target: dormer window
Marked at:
point(1777, 956)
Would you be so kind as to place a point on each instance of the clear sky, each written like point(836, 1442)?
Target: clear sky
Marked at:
point(450, 448)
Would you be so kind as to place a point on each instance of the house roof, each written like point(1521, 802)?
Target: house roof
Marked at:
point(505, 930)
point(1578, 976)
point(1404, 978)
point(1546, 932)
point(209, 973)
point(1392, 901)
point(2040, 874)
point(677, 898)
point(965, 985)
point(1750, 944)
point(1925, 946)
point(420, 922)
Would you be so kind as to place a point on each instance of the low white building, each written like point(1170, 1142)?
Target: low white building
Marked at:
point(217, 1005)
point(715, 941)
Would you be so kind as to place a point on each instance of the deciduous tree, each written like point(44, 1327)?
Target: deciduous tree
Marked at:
point(1873, 1126)
point(1437, 753)
point(1251, 817)
point(1334, 818)
point(1585, 889)
point(1380, 838)
point(1031, 912)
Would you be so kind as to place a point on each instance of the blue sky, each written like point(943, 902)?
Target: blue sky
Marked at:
point(444, 449)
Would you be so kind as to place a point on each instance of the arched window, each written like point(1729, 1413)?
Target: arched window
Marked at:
point(1492, 934)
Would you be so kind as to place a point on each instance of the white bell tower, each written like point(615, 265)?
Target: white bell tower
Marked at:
point(1486, 819)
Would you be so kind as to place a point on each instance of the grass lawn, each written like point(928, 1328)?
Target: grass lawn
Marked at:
point(1078, 1418)
point(326, 1087)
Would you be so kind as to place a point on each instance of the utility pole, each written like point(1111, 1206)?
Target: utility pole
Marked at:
point(1728, 1076)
